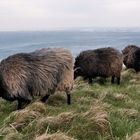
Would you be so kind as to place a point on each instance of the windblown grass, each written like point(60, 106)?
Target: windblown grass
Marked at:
point(100, 111)
point(54, 136)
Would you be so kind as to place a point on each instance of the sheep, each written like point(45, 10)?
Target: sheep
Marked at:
point(131, 57)
point(40, 73)
point(68, 81)
point(103, 62)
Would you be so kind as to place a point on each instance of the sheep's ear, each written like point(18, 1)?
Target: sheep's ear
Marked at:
point(122, 51)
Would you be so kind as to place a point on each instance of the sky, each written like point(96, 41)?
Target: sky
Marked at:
point(68, 14)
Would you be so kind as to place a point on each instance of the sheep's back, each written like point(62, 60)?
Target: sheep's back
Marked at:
point(104, 61)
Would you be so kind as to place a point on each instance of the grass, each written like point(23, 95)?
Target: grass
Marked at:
point(100, 111)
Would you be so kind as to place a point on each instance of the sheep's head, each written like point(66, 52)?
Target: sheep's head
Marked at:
point(129, 49)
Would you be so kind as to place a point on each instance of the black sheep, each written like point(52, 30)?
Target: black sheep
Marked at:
point(131, 57)
point(103, 62)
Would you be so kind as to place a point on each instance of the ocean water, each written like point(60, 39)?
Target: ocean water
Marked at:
point(76, 41)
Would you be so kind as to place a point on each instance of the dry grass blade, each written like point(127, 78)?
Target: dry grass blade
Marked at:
point(13, 136)
point(99, 117)
point(55, 136)
point(24, 116)
point(38, 107)
point(132, 113)
point(120, 97)
point(61, 118)
point(135, 136)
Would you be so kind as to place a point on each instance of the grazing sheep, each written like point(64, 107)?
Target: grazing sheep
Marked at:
point(67, 83)
point(131, 57)
point(103, 62)
point(39, 73)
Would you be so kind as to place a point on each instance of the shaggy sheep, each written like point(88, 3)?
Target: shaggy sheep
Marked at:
point(103, 62)
point(68, 80)
point(39, 73)
point(131, 57)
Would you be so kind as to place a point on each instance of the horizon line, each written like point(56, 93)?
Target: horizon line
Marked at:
point(73, 29)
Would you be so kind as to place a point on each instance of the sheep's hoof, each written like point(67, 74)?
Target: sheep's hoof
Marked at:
point(45, 98)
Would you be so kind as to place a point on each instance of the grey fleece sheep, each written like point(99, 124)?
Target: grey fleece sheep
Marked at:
point(131, 57)
point(39, 73)
point(103, 62)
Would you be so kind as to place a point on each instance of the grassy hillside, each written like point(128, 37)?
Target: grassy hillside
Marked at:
point(98, 112)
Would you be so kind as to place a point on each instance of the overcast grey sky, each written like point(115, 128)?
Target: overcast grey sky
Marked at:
point(65, 14)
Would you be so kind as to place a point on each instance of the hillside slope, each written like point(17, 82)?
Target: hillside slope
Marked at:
point(100, 111)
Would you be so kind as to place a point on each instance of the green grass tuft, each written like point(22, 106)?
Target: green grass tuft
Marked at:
point(100, 111)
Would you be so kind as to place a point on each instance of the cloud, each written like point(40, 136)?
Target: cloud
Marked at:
point(49, 14)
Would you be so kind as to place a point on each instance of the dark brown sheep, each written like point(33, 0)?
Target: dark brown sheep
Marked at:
point(39, 73)
point(103, 62)
point(131, 57)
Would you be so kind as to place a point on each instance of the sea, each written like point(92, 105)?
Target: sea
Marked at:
point(12, 42)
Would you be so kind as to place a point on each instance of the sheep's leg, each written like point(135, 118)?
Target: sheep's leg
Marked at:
point(68, 98)
point(118, 80)
point(22, 103)
point(112, 79)
point(85, 78)
point(19, 105)
point(90, 80)
point(45, 98)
